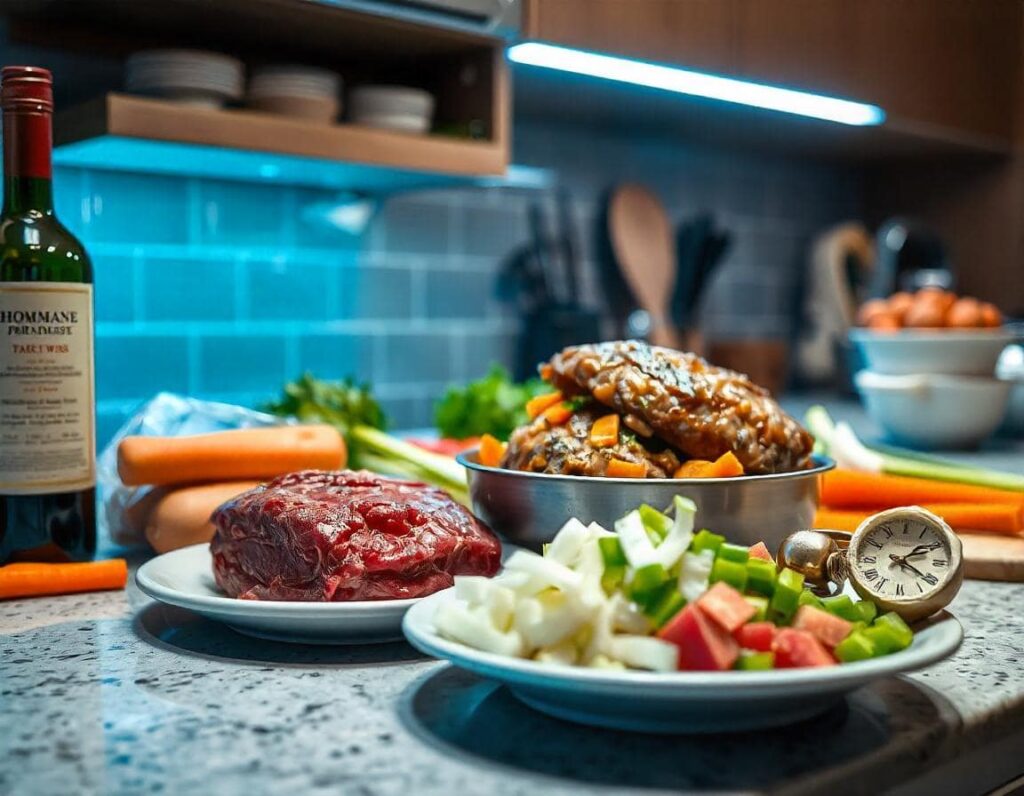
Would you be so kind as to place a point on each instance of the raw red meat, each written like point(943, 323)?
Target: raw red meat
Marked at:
point(338, 536)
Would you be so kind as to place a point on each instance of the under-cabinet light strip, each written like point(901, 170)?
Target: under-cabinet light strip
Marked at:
point(697, 84)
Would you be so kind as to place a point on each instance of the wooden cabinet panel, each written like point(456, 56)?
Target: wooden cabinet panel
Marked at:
point(694, 33)
point(950, 64)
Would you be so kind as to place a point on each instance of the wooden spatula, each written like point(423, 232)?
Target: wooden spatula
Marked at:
point(644, 247)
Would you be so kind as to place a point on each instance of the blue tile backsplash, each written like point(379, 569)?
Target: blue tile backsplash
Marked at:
point(225, 289)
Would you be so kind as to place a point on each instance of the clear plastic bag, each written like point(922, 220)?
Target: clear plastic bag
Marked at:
point(166, 415)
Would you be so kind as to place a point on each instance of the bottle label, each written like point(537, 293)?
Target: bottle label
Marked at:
point(47, 421)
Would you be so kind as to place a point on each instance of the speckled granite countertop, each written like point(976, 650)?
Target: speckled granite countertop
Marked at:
point(113, 693)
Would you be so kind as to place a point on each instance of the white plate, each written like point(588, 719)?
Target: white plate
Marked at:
point(184, 578)
point(680, 701)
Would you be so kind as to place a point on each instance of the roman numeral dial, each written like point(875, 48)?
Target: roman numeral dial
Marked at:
point(907, 560)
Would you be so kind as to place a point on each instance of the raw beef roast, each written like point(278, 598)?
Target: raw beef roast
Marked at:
point(337, 536)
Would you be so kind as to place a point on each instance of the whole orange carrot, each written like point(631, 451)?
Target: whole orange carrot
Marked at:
point(846, 489)
point(31, 579)
point(965, 517)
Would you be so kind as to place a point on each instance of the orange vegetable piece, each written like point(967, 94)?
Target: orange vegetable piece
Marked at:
point(620, 468)
point(725, 466)
point(694, 468)
point(546, 371)
point(558, 414)
point(536, 406)
point(36, 580)
point(492, 450)
point(605, 431)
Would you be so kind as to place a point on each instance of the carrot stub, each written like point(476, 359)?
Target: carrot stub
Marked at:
point(847, 489)
point(558, 414)
point(36, 580)
point(605, 431)
point(536, 406)
point(986, 517)
point(491, 450)
point(620, 468)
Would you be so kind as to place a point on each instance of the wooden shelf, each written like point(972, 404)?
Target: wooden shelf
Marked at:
point(120, 116)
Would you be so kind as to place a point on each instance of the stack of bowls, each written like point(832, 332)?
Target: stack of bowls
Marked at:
point(193, 77)
point(933, 389)
point(408, 110)
point(302, 92)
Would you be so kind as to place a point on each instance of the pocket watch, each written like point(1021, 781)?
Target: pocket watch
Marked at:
point(906, 560)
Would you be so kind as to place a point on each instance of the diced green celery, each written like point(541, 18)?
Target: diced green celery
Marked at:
point(611, 551)
point(885, 637)
point(808, 597)
point(857, 646)
point(734, 552)
point(705, 540)
point(842, 606)
point(761, 576)
point(787, 593)
point(612, 577)
point(855, 626)
point(647, 581)
point(755, 661)
point(904, 635)
point(760, 605)
point(731, 572)
point(866, 611)
point(655, 523)
point(668, 604)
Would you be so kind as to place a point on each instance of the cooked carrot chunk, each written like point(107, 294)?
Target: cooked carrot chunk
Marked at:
point(536, 406)
point(725, 466)
point(491, 450)
point(558, 415)
point(620, 468)
point(605, 431)
point(695, 468)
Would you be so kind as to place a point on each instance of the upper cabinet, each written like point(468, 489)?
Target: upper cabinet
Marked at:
point(941, 70)
point(697, 33)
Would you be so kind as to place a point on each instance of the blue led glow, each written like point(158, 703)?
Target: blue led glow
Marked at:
point(697, 84)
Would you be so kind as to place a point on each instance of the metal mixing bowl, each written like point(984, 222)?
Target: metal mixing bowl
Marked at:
point(529, 508)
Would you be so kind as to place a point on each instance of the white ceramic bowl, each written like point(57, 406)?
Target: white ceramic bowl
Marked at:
point(391, 100)
point(968, 352)
point(934, 411)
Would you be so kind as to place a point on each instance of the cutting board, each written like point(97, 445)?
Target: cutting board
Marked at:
point(993, 556)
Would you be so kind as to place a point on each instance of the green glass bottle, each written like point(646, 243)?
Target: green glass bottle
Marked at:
point(47, 406)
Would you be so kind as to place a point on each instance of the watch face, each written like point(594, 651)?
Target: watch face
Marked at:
point(903, 558)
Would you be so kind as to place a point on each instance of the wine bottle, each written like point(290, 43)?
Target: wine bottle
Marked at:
point(47, 409)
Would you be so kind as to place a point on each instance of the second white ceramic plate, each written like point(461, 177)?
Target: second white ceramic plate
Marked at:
point(184, 578)
point(678, 701)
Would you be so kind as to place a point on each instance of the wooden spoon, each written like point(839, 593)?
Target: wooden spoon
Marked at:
point(644, 247)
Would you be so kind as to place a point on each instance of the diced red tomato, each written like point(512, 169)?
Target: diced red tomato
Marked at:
point(726, 606)
point(797, 648)
point(703, 644)
point(756, 636)
point(760, 550)
point(827, 628)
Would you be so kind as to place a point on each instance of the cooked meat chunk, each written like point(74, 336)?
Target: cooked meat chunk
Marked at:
point(337, 536)
point(702, 410)
point(566, 449)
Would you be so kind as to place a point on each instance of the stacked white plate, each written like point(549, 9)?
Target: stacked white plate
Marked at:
point(195, 77)
point(298, 91)
point(401, 108)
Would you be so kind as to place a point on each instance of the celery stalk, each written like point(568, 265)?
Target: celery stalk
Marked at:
point(841, 443)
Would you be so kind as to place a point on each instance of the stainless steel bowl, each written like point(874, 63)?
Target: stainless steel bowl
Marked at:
point(530, 508)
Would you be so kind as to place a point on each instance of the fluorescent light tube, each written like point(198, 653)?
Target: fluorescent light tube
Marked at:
point(696, 84)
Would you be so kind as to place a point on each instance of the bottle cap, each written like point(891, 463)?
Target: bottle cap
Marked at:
point(26, 88)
